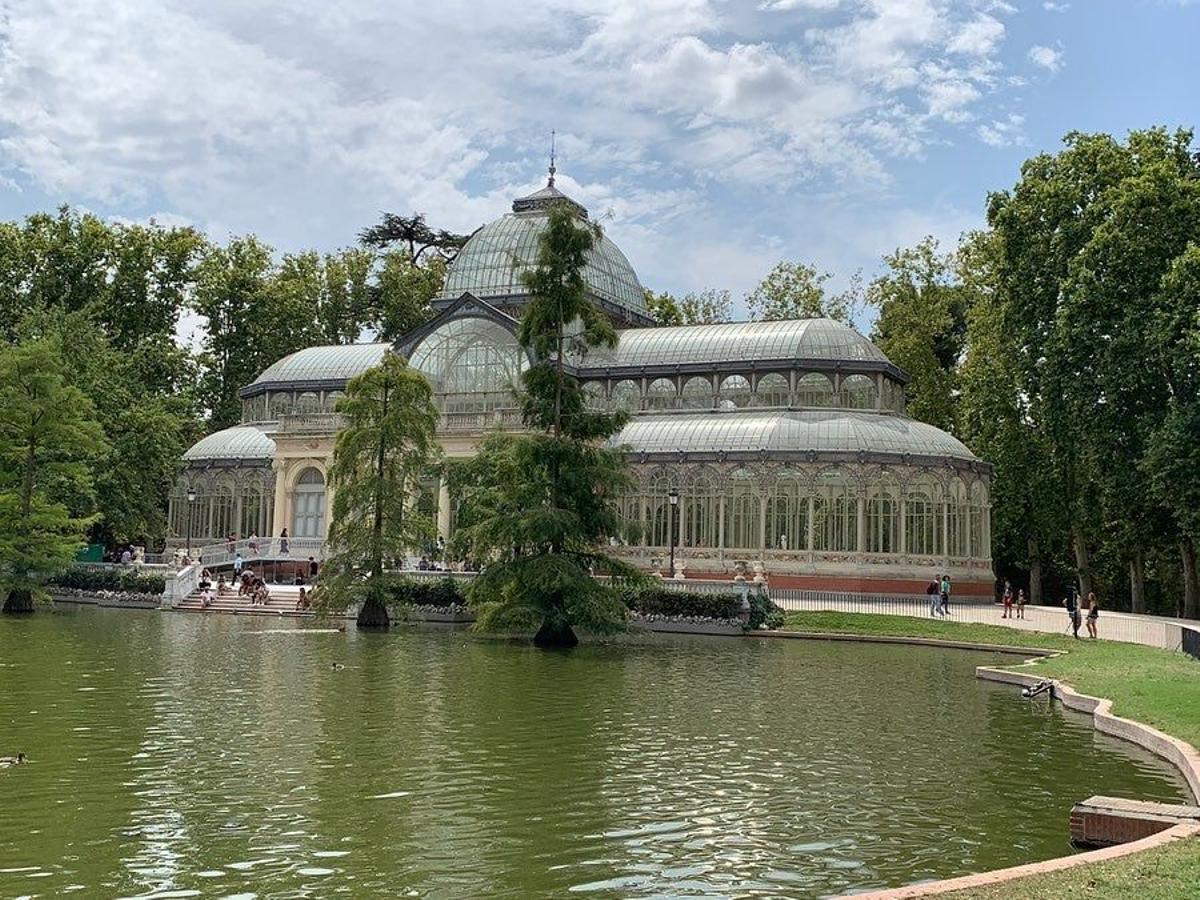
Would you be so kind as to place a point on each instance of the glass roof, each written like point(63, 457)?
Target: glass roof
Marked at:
point(820, 430)
point(491, 263)
point(338, 362)
point(239, 442)
point(818, 339)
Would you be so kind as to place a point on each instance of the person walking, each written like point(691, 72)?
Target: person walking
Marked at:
point(1021, 603)
point(945, 595)
point(1008, 600)
point(933, 591)
point(283, 542)
point(1093, 615)
point(237, 564)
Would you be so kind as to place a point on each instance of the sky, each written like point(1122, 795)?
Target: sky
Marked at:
point(711, 138)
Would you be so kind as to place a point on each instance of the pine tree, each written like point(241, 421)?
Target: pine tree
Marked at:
point(386, 446)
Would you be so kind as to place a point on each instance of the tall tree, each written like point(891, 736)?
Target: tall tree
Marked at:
point(47, 435)
point(401, 292)
point(540, 506)
point(706, 307)
point(794, 290)
point(336, 287)
point(922, 326)
point(381, 453)
point(413, 234)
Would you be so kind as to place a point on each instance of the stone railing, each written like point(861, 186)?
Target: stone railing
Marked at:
point(310, 423)
point(479, 422)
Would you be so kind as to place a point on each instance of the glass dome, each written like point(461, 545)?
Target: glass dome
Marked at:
point(492, 261)
point(470, 356)
point(238, 444)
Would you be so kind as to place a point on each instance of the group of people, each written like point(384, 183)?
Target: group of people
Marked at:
point(1014, 607)
point(1075, 612)
point(255, 588)
point(939, 595)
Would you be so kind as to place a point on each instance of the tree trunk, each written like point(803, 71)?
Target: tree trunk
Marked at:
point(555, 633)
point(18, 603)
point(1082, 562)
point(373, 614)
point(1035, 572)
point(1137, 582)
point(1191, 579)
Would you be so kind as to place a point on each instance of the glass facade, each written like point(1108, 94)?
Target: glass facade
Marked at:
point(472, 363)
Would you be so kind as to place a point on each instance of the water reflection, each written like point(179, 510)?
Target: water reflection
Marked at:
point(216, 755)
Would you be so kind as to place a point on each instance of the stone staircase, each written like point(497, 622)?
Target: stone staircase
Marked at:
point(281, 603)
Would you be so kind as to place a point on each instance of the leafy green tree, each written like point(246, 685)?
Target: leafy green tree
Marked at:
point(539, 507)
point(401, 292)
point(706, 307)
point(47, 435)
point(922, 326)
point(384, 448)
point(794, 290)
point(414, 235)
point(335, 287)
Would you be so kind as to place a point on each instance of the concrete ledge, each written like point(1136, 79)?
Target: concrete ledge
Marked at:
point(1027, 652)
point(1107, 821)
point(107, 602)
point(999, 876)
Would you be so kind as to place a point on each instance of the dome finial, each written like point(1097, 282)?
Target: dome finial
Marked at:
point(550, 183)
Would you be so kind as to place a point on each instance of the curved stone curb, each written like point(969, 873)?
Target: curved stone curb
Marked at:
point(999, 876)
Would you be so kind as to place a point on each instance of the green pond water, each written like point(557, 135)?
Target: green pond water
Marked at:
point(178, 755)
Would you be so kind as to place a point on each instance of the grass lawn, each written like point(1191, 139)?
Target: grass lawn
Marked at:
point(1165, 873)
point(1153, 686)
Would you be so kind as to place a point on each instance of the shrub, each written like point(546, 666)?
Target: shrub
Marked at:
point(764, 613)
point(131, 580)
point(439, 593)
point(660, 601)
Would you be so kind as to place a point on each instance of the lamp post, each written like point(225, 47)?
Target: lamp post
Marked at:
point(673, 496)
point(191, 497)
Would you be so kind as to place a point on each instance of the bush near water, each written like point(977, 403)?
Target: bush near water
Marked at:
point(83, 578)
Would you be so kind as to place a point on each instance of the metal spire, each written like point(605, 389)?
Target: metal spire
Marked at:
point(552, 170)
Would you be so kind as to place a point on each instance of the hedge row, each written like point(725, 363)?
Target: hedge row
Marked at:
point(86, 578)
point(645, 600)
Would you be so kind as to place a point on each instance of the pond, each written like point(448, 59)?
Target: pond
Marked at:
point(216, 755)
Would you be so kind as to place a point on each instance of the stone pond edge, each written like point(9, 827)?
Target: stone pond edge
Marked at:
point(1180, 754)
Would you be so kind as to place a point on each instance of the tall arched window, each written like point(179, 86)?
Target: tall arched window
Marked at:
point(658, 511)
point(742, 512)
point(627, 396)
point(697, 393)
point(308, 505)
point(835, 512)
point(773, 390)
point(923, 517)
point(735, 392)
point(698, 513)
point(473, 363)
point(331, 400)
point(787, 514)
point(814, 389)
point(661, 394)
point(593, 391)
point(280, 406)
point(223, 512)
point(883, 517)
point(956, 517)
point(858, 392)
point(308, 403)
point(978, 516)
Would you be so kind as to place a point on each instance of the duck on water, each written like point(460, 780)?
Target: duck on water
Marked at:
point(6, 761)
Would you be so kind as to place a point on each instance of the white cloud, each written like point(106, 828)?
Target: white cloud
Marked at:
point(978, 38)
point(1002, 132)
point(1049, 58)
point(1052, 6)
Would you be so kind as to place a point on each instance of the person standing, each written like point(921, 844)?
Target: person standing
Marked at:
point(1071, 602)
point(933, 591)
point(1008, 600)
point(1093, 615)
point(1021, 603)
point(283, 542)
point(237, 564)
point(945, 595)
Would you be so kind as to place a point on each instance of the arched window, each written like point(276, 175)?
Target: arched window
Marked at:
point(331, 400)
point(858, 392)
point(923, 517)
point(699, 507)
point(626, 395)
point(978, 517)
point(787, 514)
point(735, 392)
point(661, 394)
point(473, 363)
point(593, 392)
point(956, 517)
point(742, 512)
point(835, 513)
point(697, 393)
point(308, 403)
point(658, 512)
point(280, 406)
point(883, 517)
point(308, 505)
point(814, 389)
point(222, 520)
point(773, 390)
